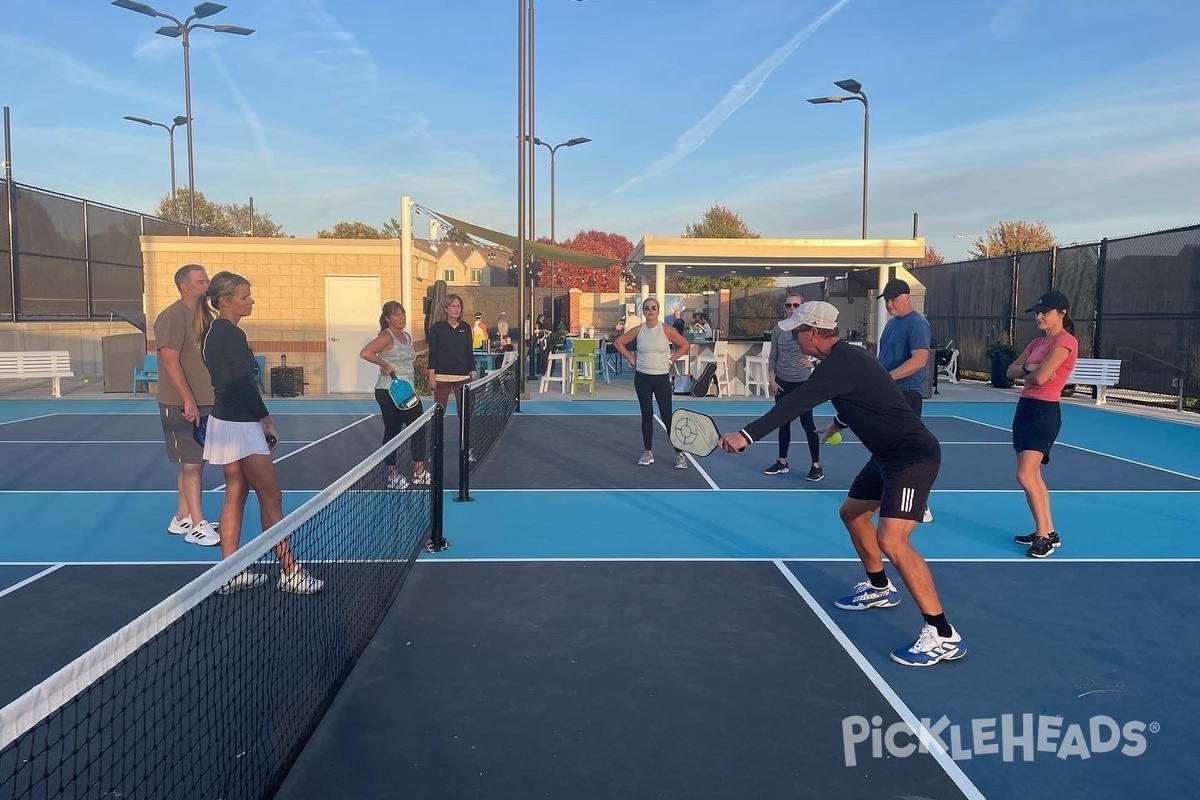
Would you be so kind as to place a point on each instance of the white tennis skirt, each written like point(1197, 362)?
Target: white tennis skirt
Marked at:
point(226, 442)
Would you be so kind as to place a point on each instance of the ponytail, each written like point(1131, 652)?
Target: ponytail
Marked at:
point(1068, 323)
point(202, 320)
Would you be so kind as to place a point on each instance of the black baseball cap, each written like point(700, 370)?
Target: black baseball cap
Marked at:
point(894, 288)
point(1050, 300)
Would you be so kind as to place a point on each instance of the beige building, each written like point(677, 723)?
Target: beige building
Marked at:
point(317, 301)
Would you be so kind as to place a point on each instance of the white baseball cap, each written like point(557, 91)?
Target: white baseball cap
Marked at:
point(815, 314)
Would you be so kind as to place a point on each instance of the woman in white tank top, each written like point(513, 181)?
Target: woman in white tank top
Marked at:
point(657, 346)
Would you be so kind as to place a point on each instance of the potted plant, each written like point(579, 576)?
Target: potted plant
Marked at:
point(1001, 354)
point(557, 338)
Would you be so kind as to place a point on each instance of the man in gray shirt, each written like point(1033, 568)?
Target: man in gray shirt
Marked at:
point(787, 369)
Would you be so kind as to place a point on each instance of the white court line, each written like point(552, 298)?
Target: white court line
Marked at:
point(703, 473)
point(953, 771)
point(286, 456)
point(31, 578)
point(1099, 453)
point(28, 419)
point(803, 488)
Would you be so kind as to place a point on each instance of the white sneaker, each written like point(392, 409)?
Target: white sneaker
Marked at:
point(647, 459)
point(680, 461)
point(185, 524)
point(928, 516)
point(422, 478)
point(396, 481)
point(929, 649)
point(243, 580)
point(203, 534)
point(299, 582)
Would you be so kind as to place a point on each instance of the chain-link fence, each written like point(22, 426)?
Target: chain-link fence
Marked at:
point(73, 259)
point(1136, 299)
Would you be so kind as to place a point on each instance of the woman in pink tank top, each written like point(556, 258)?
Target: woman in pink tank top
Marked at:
point(1045, 365)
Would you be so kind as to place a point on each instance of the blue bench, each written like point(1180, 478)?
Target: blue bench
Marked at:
point(147, 373)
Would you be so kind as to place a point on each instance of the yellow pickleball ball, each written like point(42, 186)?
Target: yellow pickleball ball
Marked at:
point(85, 380)
point(835, 437)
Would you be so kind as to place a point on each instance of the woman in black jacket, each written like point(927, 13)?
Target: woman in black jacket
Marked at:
point(240, 434)
point(451, 360)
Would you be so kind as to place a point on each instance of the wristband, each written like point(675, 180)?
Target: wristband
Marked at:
point(1025, 369)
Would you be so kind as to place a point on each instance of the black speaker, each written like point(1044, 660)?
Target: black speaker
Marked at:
point(287, 381)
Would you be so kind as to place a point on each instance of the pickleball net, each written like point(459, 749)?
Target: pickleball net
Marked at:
point(212, 695)
point(490, 404)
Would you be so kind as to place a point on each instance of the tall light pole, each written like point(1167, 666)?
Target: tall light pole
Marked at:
point(553, 239)
point(856, 93)
point(182, 30)
point(170, 129)
point(525, 150)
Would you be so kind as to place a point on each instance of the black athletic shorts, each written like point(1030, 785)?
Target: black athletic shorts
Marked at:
point(1035, 425)
point(900, 487)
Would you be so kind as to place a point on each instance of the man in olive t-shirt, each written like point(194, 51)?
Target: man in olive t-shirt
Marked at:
point(185, 394)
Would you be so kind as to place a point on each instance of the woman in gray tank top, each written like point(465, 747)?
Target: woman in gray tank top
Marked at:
point(392, 351)
point(652, 368)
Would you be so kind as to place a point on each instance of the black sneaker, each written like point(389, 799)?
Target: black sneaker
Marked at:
point(815, 474)
point(436, 547)
point(1028, 538)
point(778, 468)
point(1041, 547)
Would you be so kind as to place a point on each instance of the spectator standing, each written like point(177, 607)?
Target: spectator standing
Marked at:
point(451, 362)
point(904, 348)
point(392, 351)
point(1045, 364)
point(241, 435)
point(185, 394)
point(787, 370)
point(657, 346)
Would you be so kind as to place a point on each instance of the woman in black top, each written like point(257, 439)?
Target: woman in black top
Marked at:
point(241, 434)
point(451, 360)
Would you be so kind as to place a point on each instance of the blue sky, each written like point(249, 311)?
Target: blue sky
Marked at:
point(1083, 113)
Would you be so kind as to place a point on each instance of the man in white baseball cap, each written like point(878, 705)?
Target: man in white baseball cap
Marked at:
point(895, 482)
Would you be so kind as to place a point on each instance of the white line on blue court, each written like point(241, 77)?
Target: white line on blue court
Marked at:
point(1014, 559)
point(30, 579)
point(953, 771)
point(1100, 453)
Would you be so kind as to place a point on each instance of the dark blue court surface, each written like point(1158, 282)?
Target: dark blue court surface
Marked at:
point(603, 630)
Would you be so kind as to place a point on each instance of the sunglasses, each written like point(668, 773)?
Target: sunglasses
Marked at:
point(791, 305)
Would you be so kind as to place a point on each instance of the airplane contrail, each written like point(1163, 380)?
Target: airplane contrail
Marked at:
point(735, 98)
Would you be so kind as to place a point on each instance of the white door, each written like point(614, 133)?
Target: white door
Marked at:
point(352, 306)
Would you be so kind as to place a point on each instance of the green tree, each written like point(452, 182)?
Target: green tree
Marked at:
point(351, 230)
point(1013, 236)
point(717, 223)
point(227, 219)
point(392, 229)
point(239, 215)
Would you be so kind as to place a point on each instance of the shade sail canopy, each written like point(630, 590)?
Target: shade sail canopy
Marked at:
point(683, 256)
point(548, 252)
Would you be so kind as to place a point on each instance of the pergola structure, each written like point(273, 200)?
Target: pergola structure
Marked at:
point(656, 257)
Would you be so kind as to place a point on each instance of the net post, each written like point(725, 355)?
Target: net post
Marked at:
point(464, 446)
point(438, 445)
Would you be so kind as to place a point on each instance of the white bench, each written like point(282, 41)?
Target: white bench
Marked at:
point(1098, 372)
point(52, 364)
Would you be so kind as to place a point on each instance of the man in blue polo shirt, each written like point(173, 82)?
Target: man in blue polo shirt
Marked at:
point(904, 348)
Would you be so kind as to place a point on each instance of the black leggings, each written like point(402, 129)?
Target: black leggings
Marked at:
point(806, 422)
point(394, 421)
point(658, 387)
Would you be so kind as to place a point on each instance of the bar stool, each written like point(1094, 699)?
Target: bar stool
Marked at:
point(583, 365)
point(562, 359)
point(758, 371)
